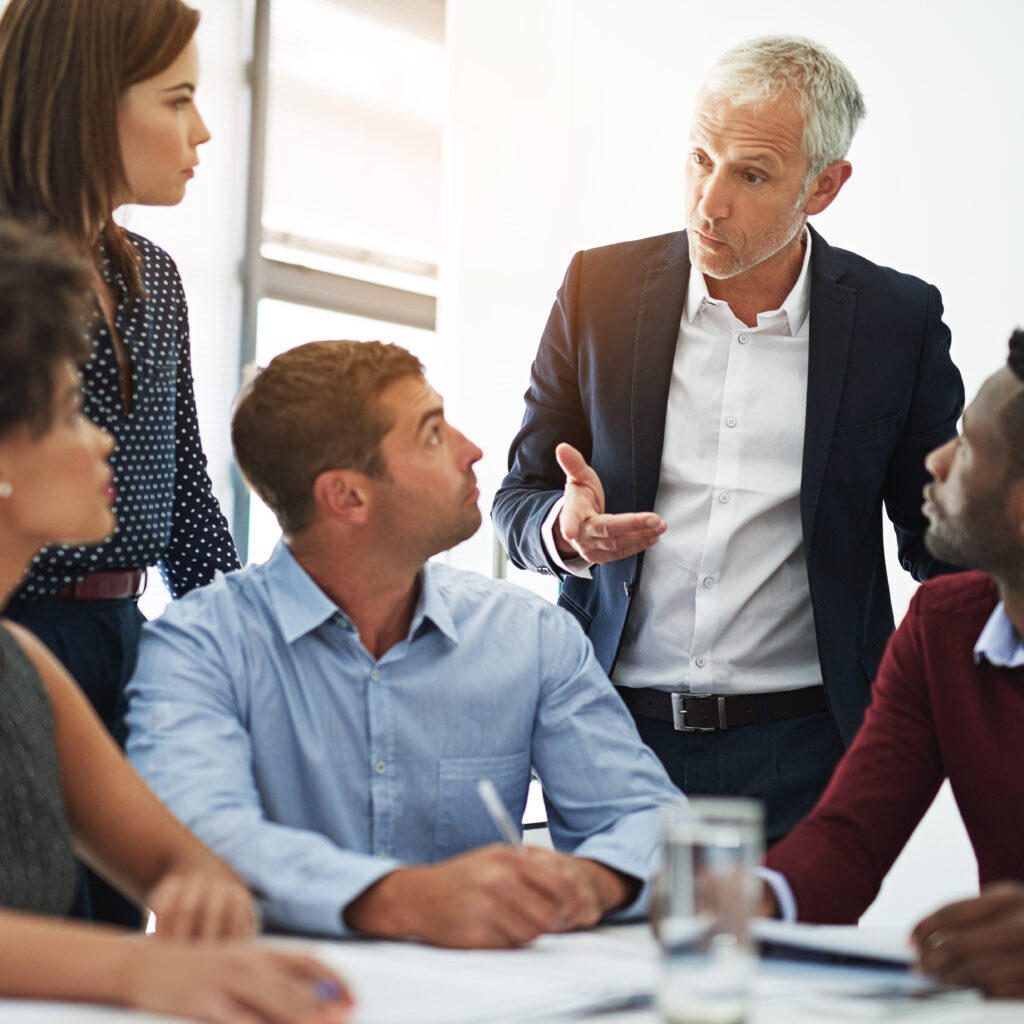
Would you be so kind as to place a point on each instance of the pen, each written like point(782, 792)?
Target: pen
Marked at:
point(499, 813)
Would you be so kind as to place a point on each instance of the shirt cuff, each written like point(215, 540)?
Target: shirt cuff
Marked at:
point(573, 566)
point(776, 881)
point(317, 907)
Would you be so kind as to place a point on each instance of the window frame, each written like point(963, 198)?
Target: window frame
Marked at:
point(266, 278)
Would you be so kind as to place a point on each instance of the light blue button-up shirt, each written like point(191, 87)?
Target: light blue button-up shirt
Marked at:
point(260, 719)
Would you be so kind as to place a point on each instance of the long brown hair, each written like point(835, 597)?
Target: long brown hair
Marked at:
point(64, 65)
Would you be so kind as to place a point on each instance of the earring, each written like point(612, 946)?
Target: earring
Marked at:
point(6, 490)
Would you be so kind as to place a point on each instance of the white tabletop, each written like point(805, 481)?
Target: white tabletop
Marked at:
point(560, 978)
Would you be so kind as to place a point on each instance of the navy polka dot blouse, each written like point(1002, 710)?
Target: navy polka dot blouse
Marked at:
point(166, 512)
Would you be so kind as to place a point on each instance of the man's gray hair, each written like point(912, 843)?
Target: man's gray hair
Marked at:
point(760, 70)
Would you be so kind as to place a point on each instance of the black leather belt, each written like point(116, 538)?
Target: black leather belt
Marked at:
point(710, 712)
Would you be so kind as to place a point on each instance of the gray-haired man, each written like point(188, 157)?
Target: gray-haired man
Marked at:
point(751, 418)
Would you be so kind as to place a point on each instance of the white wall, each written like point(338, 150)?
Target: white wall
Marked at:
point(568, 128)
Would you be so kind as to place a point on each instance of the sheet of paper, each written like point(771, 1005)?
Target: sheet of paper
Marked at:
point(399, 983)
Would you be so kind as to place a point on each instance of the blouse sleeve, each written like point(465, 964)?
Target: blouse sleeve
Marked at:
point(200, 541)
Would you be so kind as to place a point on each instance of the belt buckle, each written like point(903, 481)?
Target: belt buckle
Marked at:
point(679, 711)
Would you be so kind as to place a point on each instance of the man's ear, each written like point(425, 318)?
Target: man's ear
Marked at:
point(826, 186)
point(342, 495)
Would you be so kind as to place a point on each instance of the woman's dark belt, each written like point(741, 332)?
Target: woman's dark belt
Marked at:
point(107, 585)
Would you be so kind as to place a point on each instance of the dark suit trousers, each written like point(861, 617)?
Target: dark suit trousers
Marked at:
point(786, 765)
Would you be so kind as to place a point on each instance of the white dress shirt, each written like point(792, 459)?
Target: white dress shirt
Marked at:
point(723, 603)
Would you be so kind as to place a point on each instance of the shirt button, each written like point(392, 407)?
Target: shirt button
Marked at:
point(743, 339)
point(730, 421)
point(724, 497)
point(375, 675)
point(699, 662)
point(708, 582)
point(380, 767)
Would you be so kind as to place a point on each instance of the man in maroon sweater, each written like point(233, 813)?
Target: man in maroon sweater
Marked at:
point(948, 702)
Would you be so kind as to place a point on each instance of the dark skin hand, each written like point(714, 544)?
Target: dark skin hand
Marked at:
point(768, 905)
point(977, 942)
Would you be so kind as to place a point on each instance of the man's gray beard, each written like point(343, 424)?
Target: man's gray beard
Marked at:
point(720, 276)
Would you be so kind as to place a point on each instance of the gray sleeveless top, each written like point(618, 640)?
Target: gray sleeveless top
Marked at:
point(37, 866)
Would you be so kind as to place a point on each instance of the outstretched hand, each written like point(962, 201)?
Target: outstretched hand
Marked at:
point(583, 528)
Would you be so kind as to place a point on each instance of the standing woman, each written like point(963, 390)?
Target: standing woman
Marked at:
point(97, 110)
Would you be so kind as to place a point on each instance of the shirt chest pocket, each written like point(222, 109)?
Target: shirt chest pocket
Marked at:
point(462, 820)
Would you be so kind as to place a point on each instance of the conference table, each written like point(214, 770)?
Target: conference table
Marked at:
point(607, 974)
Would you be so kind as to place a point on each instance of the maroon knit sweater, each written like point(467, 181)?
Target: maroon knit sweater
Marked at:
point(933, 714)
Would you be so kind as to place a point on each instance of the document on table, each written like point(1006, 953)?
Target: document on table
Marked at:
point(404, 983)
point(875, 945)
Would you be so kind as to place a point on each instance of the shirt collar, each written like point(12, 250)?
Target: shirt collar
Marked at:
point(794, 308)
point(301, 606)
point(433, 603)
point(999, 643)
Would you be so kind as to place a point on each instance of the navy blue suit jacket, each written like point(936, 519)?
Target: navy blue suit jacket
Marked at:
point(882, 391)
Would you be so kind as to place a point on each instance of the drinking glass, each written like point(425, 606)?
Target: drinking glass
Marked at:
point(704, 897)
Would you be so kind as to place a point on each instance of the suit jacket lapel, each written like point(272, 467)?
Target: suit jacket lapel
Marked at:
point(832, 310)
point(659, 313)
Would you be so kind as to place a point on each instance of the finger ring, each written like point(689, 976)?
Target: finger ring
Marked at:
point(936, 939)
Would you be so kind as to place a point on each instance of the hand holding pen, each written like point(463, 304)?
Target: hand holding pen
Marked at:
point(596, 888)
point(495, 896)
